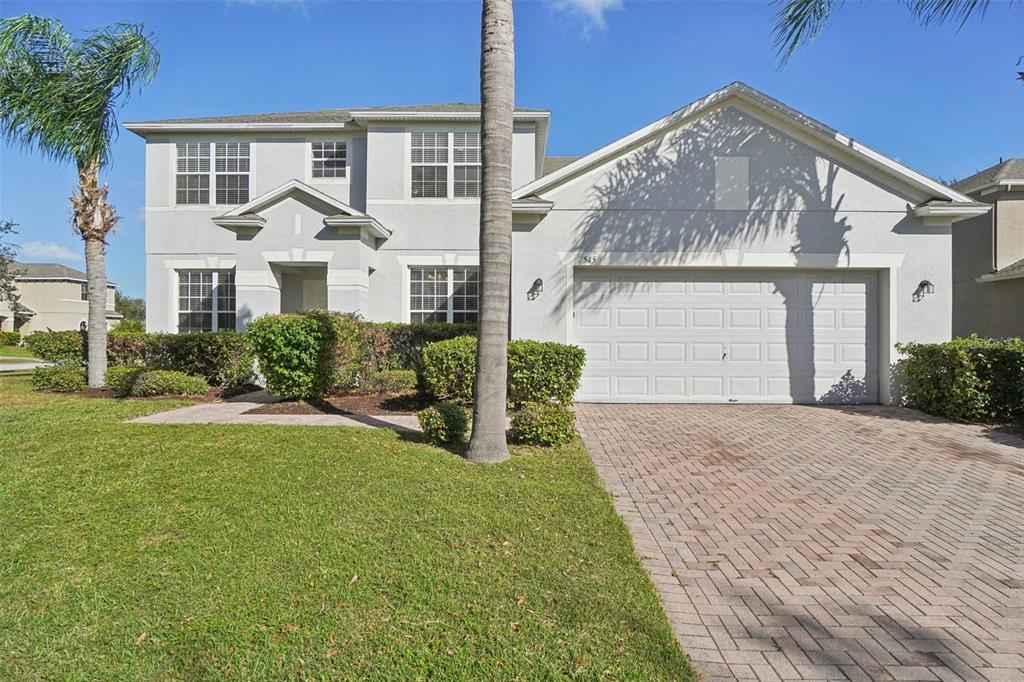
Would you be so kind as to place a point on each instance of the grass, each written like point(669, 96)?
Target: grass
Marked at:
point(15, 352)
point(132, 551)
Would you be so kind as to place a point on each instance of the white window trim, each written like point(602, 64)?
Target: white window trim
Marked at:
point(214, 323)
point(308, 142)
point(451, 198)
point(448, 260)
point(450, 293)
point(213, 172)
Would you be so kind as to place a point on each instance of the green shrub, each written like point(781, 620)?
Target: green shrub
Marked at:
point(397, 345)
point(445, 423)
point(542, 372)
point(167, 382)
point(60, 347)
point(10, 338)
point(63, 378)
point(972, 379)
point(543, 424)
point(222, 358)
point(126, 326)
point(121, 378)
point(390, 381)
point(126, 348)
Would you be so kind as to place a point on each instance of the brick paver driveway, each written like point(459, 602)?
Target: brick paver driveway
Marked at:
point(864, 543)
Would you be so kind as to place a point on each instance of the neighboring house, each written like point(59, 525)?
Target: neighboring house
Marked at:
point(988, 255)
point(735, 250)
point(52, 296)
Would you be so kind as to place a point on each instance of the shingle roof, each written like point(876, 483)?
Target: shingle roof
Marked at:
point(1013, 270)
point(49, 271)
point(1011, 169)
point(330, 115)
point(553, 163)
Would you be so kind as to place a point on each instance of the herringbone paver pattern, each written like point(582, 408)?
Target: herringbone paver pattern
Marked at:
point(813, 543)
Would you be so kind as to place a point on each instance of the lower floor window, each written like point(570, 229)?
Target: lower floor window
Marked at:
point(206, 301)
point(441, 294)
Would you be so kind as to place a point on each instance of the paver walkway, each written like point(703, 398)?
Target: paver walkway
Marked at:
point(790, 542)
point(233, 412)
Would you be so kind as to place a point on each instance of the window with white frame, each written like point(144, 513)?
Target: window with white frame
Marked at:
point(466, 157)
point(232, 170)
point(329, 159)
point(206, 301)
point(192, 179)
point(85, 291)
point(443, 294)
point(429, 165)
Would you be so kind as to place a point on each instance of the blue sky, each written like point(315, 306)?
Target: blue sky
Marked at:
point(943, 101)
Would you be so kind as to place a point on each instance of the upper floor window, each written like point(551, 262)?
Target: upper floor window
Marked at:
point(206, 300)
point(329, 159)
point(429, 165)
point(467, 164)
point(192, 180)
point(230, 173)
point(85, 291)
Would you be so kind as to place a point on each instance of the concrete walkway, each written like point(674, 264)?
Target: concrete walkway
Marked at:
point(233, 412)
point(810, 543)
point(12, 364)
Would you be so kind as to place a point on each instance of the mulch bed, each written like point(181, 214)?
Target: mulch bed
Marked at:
point(214, 394)
point(353, 403)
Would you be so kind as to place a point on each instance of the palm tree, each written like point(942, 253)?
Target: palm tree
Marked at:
point(800, 21)
point(59, 95)
point(497, 101)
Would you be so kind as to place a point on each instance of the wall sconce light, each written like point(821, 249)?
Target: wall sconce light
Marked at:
point(534, 292)
point(924, 288)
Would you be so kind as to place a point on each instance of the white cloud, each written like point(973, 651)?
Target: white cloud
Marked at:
point(592, 11)
point(50, 251)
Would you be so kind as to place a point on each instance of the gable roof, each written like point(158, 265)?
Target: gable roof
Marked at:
point(1008, 172)
point(30, 271)
point(762, 102)
point(553, 163)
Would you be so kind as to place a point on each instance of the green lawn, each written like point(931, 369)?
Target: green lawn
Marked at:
point(134, 551)
point(15, 352)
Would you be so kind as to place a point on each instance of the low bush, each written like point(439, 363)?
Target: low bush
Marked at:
point(222, 358)
point(445, 423)
point(971, 379)
point(390, 381)
point(543, 424)
point(126, 348)
point(58, 347)
point(121, 378)
point(167, 382)
point(10, 338)
point(397, 345)
point(63, 378)
point(541, 372)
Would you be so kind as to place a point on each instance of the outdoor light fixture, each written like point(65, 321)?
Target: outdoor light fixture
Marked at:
point(534, 292)
point(924, 288)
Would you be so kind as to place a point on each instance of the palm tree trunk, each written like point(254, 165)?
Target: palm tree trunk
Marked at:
point(91, 213)
point(497, 100)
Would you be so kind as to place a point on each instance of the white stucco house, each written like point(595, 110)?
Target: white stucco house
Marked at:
point(735, 250)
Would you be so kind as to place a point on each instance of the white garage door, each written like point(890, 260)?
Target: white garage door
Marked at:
point(727, 335)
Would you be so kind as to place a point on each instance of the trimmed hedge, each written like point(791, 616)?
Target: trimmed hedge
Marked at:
point(538, 371)
point(445, 423)
point(64, 378)
point(121, 378)
point(10, 338)
point(543, 424)
point(390, 381)
point(222, 358)
point(166, 382)
point(971, 379)
point(396, 345)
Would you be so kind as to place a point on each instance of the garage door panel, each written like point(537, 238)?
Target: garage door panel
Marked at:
point(718, 335)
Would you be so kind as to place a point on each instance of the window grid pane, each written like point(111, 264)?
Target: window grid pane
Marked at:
point(444, 294)
point(192, 179)
point(232, 170)
point(465, 294)
point(329, 159)
point(206, 300)
point(429, 176)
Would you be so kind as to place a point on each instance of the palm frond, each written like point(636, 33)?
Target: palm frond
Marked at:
point(930, 12)
point(797, 23)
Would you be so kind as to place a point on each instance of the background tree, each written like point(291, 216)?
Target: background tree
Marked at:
point(497, 101)
point(133, 309)
point(59, 95)
point(8, 292)
point(800, 21)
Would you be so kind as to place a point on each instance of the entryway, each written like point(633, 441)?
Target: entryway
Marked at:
point(303, 286)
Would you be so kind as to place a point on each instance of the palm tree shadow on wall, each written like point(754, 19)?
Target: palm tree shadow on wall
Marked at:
point(660, 200)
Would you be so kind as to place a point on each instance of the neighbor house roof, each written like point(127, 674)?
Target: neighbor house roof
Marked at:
point(553, 163)
point(771, 109)
point(1004, 173)
point(1011, 271)
point(50, 271)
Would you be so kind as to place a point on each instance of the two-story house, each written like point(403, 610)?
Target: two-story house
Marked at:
point(988, 255)
point(51, 296)
point(733, 250)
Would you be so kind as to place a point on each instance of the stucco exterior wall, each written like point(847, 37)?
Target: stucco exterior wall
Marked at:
point(57, 305)
point(655, 206)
